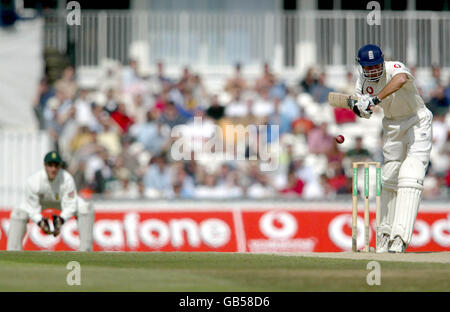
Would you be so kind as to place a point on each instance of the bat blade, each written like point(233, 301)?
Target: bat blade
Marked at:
point(338, 99)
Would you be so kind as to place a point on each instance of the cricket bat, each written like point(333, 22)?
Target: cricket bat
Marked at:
point(342, 100)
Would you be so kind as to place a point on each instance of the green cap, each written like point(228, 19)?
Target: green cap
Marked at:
point(52, 157)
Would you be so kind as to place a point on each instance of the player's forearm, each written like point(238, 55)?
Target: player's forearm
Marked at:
point(393, 86)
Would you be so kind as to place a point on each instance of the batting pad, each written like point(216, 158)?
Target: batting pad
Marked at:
point(387, 211)
point(410, 185)
point(17, 229)
point(408, 200)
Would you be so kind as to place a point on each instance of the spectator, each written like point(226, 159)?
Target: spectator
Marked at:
point(162, 99)
point(209, 189)
point(237, 107)
point(303, 125)
point(83, 137)
point(157, 181)
point(309, 81)
point(159, 81)
point(109, 138)
point(358, 153)
point(276, 118)
point(141, 104)
point(67, 84)
point(83, 109)
point(320, 90)
point(266, 81)
point(263, 105)
point(111, 102)
point(52, 121)
point(45, 92)
point(438, 103)
point(199, 92)
point(189, 106)
point(69, 128)
point(161, 75)
point(154, 135)
point(171, 116)
point(123, 186)
point(187, 78)
point(294, 187)
point(236, 84)
point(120, 117)
point(309, 176)
point(350, 82)
point(183, 184)
point(428, 84)
point(215, 110)
point(100, 114)
point(176, 94)
point(130, 76)
point(447, 93)
point(319, 141)
point(98, 170)
point(337, 179)
point(289, 106)
point(110, 79)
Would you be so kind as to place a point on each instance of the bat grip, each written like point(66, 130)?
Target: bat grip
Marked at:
point(350, 102)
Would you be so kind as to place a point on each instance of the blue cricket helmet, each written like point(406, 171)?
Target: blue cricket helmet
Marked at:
point(369, 55)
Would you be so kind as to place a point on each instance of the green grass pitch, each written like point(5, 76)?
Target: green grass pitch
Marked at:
point(210, 272)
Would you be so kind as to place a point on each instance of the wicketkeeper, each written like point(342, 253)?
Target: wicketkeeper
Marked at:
point(407, 139)
point(51, 187)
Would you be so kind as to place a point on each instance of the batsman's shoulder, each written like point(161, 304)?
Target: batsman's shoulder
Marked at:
point(395, 66)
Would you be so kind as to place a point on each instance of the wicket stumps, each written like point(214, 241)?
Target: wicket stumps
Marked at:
point(366, 165)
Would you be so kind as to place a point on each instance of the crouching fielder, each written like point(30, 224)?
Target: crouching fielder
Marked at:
point(407, 137)
point(51, 187)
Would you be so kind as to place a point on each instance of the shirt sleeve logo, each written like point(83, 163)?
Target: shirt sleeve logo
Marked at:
point(397, 65)
point(369, 90)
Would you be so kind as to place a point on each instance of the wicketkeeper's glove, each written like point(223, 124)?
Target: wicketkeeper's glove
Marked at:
point(45, 226)
point(57, 223)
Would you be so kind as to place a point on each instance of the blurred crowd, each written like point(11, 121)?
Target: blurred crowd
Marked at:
point(118, 138)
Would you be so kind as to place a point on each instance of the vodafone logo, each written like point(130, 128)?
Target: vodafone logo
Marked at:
point(369, 90)
point(278, 224)
point(155, 233)
point(397, 65)
point(441, 231)
point(340, 238)
point(339, 231)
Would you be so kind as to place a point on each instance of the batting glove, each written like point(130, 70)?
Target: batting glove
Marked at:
point(45, 226)
point(57, 223)
point(362, 107)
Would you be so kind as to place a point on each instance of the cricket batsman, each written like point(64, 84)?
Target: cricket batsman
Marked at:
point(407, 136)
point(51, 187)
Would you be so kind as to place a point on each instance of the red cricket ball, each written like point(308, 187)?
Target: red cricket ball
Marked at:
point(340, 139)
